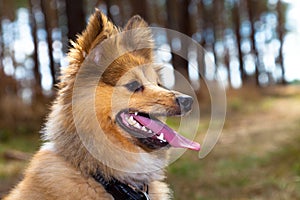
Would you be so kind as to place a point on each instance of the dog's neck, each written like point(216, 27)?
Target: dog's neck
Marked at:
point(68, 144)
point(120, 190)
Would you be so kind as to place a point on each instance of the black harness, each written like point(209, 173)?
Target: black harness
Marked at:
point(121, 191)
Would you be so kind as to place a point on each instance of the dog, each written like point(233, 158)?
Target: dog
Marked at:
point(110, 144)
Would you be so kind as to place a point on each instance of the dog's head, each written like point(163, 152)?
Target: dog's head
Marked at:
point(128, 95)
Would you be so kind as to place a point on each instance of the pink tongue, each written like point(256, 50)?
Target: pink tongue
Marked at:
point(173, 138)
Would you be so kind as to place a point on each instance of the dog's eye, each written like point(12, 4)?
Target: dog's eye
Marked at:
point(134, 86)
point(162, 86)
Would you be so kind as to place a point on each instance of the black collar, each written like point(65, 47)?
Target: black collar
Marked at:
point(121, 191)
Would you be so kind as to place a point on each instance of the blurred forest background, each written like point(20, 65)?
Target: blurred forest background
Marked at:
point(258, 156)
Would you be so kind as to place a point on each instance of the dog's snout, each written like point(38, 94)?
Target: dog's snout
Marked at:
point(185, 102)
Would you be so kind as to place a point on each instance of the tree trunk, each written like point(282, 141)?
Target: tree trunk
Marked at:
point(75, 17)
point(108, 5)
point(1, 38)
point(2, 74)
point(48, 17)
point(180, 64)
point(8, 9)
point(237, 27)
point(184, 27)
point(281, 33)
point(140, 8)
point(36, 71)
point(217, 29)
point(201, 55)
point(252, 37)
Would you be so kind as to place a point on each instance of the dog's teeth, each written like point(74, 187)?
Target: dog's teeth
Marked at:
point(137, 125)
point(135, 113)
point(161, 137)
point(144, 128)
point(131, 121)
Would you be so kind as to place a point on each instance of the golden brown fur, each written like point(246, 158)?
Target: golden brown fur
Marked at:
point(63, 167)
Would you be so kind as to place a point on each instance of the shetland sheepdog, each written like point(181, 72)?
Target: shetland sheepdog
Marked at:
point(103, 138)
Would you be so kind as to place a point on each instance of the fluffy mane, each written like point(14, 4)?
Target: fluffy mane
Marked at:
point(60, 130)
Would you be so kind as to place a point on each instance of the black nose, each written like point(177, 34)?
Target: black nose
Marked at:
point(185, 103)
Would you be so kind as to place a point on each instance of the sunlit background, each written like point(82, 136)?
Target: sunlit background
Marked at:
point(272, 57)
point(292, 41)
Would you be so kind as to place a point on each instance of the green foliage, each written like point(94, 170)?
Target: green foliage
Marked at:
point(4, 135)
point(21, 3)
point(296, 82)
point(10, 169)
point(235, 104)
point(26, 143)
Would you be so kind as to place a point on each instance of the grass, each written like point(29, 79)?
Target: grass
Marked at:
point(25, 143)
point(12, 170)
point(237, 105)
point(238, 176)
point(246, 168)
point(22, 142)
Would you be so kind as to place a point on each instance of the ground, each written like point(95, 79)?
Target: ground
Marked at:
point(256, 157)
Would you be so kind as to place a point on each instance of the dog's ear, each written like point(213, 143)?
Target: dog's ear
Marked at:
point(135, 22)
point(98, 29)
point(139, 37)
